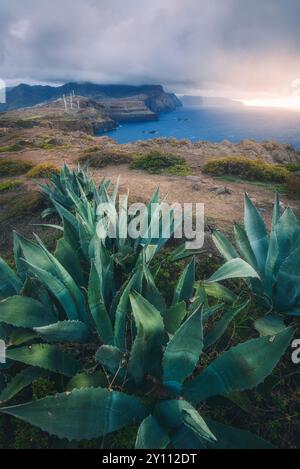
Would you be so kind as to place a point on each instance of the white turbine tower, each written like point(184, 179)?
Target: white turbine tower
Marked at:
point(65, 103)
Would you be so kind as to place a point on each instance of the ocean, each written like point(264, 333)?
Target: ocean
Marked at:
point(216, 124)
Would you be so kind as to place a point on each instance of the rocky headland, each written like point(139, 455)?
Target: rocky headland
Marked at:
point(122, 103)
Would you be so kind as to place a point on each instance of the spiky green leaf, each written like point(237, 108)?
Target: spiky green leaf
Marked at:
point(242, 367)
point(82, 414)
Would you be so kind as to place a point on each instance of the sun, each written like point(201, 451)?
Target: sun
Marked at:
point(287, 102)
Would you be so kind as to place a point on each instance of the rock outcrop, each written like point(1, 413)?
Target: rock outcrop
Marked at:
point(78, 114)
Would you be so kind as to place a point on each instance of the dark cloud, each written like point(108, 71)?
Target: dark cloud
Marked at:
point(215, 45)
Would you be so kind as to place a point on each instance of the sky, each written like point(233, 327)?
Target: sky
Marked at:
point(234, 48)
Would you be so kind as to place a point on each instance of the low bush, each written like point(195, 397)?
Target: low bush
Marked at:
point(245, 168)
point(97, 158)
point(156, 162)
point(13, 147)
point(9, 184)
point(26, 123)
point(293, 186)
point(9, 167)
point(43, 170)
point(292, 167)
point(24, 204)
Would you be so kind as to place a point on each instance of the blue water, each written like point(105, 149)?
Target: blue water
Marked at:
point(216, 124)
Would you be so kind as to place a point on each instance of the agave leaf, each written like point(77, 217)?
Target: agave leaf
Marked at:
point(19, 382)
point(64, 331)
point(276, 211)
point(19, 336)
point(18, 255)
point(209, 312)
point(181, 252)
point(35, 254)
point(244, 246)
point(224, 246)
point(68, 258)
point(10, 284)
point(184, 438)
point(34, 289)
point(45, 265)
point(151, 292)
point(286, 231)
point(111, 358)
point(193, 420)
point(87, 380)
point(235, 438)
point(45, 356)
point(242, 367)
point(219, 329)
point(66, 215)
point(185, 286)
point(183, 351)
point(174, 317)
point(287, 292)
point(62, 274)
point(84, 239)
point(200, 296)
point(236, 268)
point(21, 311)
point(151, 435)
point(58, 289)
point(146, 351)
point(273, 253)
point(174, 413)
point(218, 291)
point(257, 233)
point(269, 325)
point(98, 308)
point(122, 310)
point(82, 414)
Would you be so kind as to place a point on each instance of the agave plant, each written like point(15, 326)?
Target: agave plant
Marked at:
point(146, 370)
point(147, 376)
point(66, 182)
point(269, 262)
point(83, 223)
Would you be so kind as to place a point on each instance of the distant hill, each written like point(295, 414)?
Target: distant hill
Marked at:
point(208, 101)
point(146, 99)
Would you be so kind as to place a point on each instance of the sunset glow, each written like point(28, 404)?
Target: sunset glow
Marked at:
point(288, 102)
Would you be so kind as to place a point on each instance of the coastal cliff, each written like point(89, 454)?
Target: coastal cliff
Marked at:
point(122, 103)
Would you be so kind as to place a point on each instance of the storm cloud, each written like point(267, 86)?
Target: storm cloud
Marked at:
point(225, 47)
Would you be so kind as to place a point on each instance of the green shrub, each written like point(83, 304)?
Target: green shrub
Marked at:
point(156, 162)
point(293, 186)
point(9, 184)
point(13, 147)
point(43, 170)
point(24, 205)
point(26, 123)
point(97, 158)
point(50, 144)
point(245, 168)
point(10, 167)
point(292, 167)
